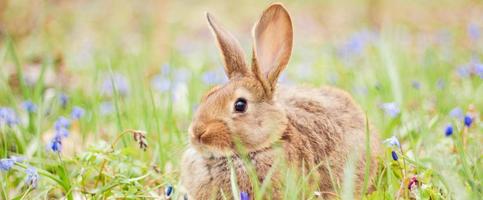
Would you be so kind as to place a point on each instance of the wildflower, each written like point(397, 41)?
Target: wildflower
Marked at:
point(62, 122)
point(63, 100)
point(413, 183)
point(6, 164)
point(468, 120)
point(160, 83)
point(244, 196)
point(165, 69)
point(116, 82)
point(214, 77)
point(394, 155)
point(416, 84)
point(29, 106)
point(355, 45)
point(391, 109)
point(449, 130)
point(473, 31)
point(479, 69)
point(77, 112)
point(463, 71)
point(106, 108)
point(440, 84)
point(56, 144)
point(456, 113)
point(140, 138)
point(393, 142)
point(32, 178)
point(168, 191)
point(8, 116)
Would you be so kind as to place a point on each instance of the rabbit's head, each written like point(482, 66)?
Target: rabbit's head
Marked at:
point(244, 110)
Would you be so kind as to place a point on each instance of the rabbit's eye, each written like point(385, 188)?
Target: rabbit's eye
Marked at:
point(240, 105)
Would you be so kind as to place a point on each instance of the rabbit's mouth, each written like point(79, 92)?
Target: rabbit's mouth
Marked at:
point(211, 138)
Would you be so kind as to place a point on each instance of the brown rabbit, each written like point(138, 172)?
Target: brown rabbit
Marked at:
point(313, 126)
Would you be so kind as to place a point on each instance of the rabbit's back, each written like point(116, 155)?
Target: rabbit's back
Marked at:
point(331, 126)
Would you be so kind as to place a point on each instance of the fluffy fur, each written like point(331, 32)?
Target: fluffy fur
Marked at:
point(305, 126)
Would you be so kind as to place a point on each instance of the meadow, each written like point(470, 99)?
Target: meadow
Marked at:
point(96, 97)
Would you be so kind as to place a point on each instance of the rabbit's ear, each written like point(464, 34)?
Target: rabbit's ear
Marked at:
point(272, 48)
point(231, 51)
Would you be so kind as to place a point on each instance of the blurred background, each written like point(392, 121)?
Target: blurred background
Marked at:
point(415, 66)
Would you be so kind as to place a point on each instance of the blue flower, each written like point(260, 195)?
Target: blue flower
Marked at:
point(394, 155)
point(244, 196)
point(440, 84)
point(168, 191)
point(479, 69)
point(120, 85)
point(8, 116)
point(63, 100)
point(29, 106)
point(32, 178)
point(393, 142)
point(456, 113)
point(160, 83)
point(355, 45)
point(56, 144)
point(6, 164)
point(214, 77)
point(62, 123)
point(473, 31)
point(165, 69)
point(416, 84)
point(468, 120)
point(391, 109)
point(106, 108)
point(77, 112)
point(449, 130)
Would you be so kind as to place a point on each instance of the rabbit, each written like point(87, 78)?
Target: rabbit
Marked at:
point(309, 127)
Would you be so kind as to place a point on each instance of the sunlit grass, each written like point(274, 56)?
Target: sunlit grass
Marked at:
point(408, 89)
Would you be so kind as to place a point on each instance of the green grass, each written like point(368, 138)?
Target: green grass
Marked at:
point(100, 158)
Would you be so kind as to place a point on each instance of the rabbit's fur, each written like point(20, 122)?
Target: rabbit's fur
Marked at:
point(308, 128)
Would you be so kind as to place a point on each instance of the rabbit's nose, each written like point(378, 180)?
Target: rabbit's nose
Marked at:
point(198, 130)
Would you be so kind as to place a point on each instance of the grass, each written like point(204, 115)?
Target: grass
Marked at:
point(125, 86)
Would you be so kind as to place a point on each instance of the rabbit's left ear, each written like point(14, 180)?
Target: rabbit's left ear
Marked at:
point(273, 36)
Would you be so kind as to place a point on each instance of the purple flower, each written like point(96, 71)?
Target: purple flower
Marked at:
point(413, 183)
point(168, 191)
point(394, 155)
point(356, 44)
point(473, 31)
point(120, 85)
point(6, 164)
point(63, 100)
point(214, 77)
point(393, 142)
point(56, 144)
point(448, 131)
point(391, 109)
point(32, 178)
point(160, 83)
point(244, 196)
point(456, 113)
point(106, 108)
point(416, 84)
point(77, 113)
point(468, 120)
point(8, 117)
point(29, 106)
point(165, 69)
point(62, 123)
